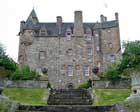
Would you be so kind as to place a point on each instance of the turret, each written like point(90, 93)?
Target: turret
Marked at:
point(78, 24)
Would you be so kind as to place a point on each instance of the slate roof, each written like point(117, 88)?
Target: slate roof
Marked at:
point(52, 29)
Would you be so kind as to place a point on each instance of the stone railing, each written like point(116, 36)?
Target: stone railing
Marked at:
point(24, 84)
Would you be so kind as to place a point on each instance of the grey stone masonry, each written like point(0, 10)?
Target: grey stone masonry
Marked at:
point(68, 50)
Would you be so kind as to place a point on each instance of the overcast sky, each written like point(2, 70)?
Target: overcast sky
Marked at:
point(13, 11)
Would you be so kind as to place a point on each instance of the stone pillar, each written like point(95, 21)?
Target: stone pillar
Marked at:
point(78, 24)
point(117, 16)
point(59, 23)
point(102, 18)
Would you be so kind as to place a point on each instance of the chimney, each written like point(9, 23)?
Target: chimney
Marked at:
point(78, 24)
point(22, 24)
point(59, 24)
point(59, 20)
point(117, 16)
point(105, 18)
point(102, 18)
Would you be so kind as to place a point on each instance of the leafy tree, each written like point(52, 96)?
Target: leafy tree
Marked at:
point(131, 56)
point(5, 61)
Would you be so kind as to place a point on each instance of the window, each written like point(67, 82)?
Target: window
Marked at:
point(88, 37)
point(99, 64)
point(42, 55)
point(112, 58)
point(86, 70)
point(68, 36)
point(70, 70)
point(89, 51)
point(110, 45)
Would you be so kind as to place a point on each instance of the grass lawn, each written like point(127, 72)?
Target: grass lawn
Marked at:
point(111, 96)
point(27, 96)
point(37, 96)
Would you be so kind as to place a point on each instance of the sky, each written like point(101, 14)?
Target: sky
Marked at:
point(14, 11)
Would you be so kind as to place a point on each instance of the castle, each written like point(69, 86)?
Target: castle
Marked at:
point(68, 50)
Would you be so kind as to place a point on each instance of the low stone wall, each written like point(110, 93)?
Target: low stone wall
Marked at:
point(123, 84)
point(24, 84)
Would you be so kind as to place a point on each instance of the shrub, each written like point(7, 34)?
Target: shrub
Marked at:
point(112, 73)
point(24, 73)
point(86, 85)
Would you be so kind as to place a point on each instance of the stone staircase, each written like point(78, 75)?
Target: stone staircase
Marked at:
point(69, 97)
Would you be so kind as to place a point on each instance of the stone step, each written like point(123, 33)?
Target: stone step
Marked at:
point(69, 97)
point(68, 108)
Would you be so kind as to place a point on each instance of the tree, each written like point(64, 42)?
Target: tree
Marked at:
point(131, 56)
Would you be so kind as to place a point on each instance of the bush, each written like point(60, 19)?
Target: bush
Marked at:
point(24, 73)
point(112, 73)
point(7, 63)
point(86, 85)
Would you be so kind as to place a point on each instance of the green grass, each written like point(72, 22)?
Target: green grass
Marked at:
point(111, 96)
point(35, 96)
point(27, 96)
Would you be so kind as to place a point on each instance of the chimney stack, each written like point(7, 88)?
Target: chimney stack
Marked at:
point(78, 24)
point(59, 24)
point(102, 18)
point(117, 16)
point(59, 20)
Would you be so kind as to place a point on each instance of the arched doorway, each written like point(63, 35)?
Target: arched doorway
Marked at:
point(70, 86)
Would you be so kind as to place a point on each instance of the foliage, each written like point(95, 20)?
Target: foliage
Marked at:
point(112, 73)
point(131, 56)
point(5, 61)
point(24, 73)
point(110, 96)
point(86, 85)
point(27, 96)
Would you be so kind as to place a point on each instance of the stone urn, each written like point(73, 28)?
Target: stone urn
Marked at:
point(135, 81)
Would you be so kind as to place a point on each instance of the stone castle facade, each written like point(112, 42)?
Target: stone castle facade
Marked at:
point(69, 50)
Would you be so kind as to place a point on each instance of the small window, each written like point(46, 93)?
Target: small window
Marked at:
point(42, 55)
point(98, 48)
point(99, 64)
point(110, 45)
point(68, 36)
point(86, 70)
point(96, 35)
point(89, 51)
point(88, 37)
point(70, 70)
point(112, 58)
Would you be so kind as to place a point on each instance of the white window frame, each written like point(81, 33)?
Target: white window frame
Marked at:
point(70, 70)
point(89, 51)
point(86, 70)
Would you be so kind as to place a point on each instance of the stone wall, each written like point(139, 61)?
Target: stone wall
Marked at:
point(43, 84)
point(24, 84)
point(124, 84)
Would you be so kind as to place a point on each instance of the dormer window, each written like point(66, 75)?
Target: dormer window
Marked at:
point(43, 31)
point(88, 35)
